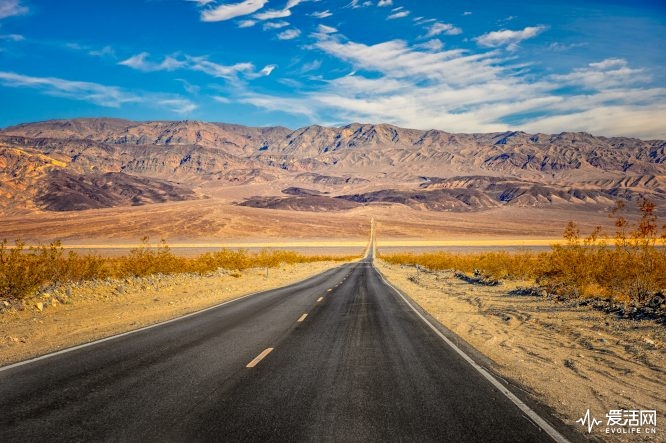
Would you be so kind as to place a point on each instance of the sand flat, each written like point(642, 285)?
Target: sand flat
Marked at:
point(570, 358)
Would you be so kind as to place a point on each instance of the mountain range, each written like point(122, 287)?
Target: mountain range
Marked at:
point(80, 164)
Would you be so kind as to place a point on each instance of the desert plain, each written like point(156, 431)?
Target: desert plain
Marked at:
point(102, 185)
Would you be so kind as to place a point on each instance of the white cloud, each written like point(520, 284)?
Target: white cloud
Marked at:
point(10, 8)
point(508, 38)
point(561, 47)
point(432, 45)
point(279, 13)
point(275, 25)
point(273, 14)
point(12, 37)
point(609, 63)
point(606, 74)
point(355, 4)
point(297, 106)
point(109, 96)
point(229, 11)
point(323, 29)
point(106, 51)
point(200, 64)
point(399, 14)
point(141, 63)
point(382, 3)
point(246, 23)
point(322, 14)
point(178, 105)
point(102, 95)
point(189, 87)
point(311, 66)
point(289, 34)
point(424, 86)
point(265, 72)
point(397, 59)
point(467, 13)
point(423, 21)
point(443, 28)
point(624, 120)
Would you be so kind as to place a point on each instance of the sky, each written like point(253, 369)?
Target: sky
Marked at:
point(459, 66)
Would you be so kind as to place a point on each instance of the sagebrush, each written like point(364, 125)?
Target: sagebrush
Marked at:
point(628, 266)
point(25, 269)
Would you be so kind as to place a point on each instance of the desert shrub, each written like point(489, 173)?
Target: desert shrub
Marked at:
point(147, 260)
point(81, 268)
point(24, 270)
point(18, 275)
point(630, 270)
point(241, 259)
point(496, 264)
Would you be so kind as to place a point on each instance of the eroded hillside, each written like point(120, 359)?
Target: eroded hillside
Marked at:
point(66, 165)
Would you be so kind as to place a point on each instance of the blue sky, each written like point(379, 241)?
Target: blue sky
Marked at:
point(459, 66)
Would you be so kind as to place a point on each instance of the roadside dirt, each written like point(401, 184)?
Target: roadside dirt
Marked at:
point(80, 313)
point(571, 358)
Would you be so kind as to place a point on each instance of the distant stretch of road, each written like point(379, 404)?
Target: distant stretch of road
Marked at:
point(338, 357)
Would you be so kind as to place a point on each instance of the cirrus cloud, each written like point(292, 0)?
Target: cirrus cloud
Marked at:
point(10, 8)
point(429, 87)
point(141, 62)
point(508, 38)
point(229, 11)
point(99, 94)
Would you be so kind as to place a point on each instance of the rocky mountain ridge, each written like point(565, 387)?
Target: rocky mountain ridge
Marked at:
point(92, 163)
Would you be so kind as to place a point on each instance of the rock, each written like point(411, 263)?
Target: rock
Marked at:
point(40, 306)
point(657, 300)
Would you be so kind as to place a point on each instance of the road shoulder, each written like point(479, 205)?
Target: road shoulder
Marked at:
point(81, 313)
point(569, 358)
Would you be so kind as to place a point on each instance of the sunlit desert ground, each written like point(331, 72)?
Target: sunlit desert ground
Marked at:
point(214, 223)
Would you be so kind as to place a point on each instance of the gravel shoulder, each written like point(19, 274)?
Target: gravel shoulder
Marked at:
point(568, 357)
point(80, 313)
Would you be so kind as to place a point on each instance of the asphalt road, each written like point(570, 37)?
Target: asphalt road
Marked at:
point(360, 366)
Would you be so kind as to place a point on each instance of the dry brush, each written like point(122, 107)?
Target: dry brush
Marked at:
point(628, 267)
point(24, 270)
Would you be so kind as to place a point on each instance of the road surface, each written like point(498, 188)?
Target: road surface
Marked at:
point(338, 357)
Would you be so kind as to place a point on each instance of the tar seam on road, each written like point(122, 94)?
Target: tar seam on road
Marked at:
point(302, 317)
point(259, 357)
point(145, 328)
point(536, 418)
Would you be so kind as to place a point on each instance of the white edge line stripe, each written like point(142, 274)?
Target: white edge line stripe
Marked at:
point(145, 328)
point(302, 317)
point(543, 424)
point(259, 357)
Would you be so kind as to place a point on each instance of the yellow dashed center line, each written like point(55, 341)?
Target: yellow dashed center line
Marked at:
point(302, 317)
point(259, 357)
